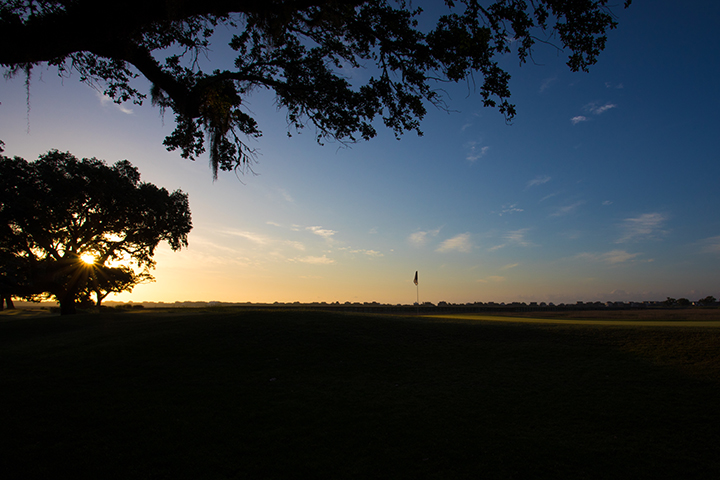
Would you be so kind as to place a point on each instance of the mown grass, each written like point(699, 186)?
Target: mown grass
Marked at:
point(690, 314)
point(289, 394)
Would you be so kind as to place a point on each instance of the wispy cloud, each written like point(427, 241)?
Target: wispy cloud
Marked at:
point(286, 195)
point(539, 180)
point(370, 253)
point(710, 245)
point(214, 260)
point(362, 251)
point(324, 260)
point(618, 256)
point(460, 243)
point(508, 267)
point(517, 237)
point(295, 245)
point(475, 152)
point(612, 257)
point(323, 232)
point(492, 278)
point(644, 227)
point(614, 85)
point(572, 234)
point(508, 209)
point(274, 224)
point(549, 196)
point(514, 237)
point(593, 108)
point(607, 202)
point(596, 109)
point(420, 238)
point(105, 101)
point(211, 245)
point(252, 236)
point(546, 83)
point(604, 108)
point(567, 209)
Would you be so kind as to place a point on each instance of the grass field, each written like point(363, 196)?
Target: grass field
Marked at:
point(709, 318)
point(292, 394)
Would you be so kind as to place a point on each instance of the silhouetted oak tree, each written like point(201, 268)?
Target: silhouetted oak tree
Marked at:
point(58, 208)
point(104, 280)
point(709, 300)
point(302, 50)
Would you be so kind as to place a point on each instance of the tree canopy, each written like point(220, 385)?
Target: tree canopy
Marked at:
point(302, 50)
point(70, 227)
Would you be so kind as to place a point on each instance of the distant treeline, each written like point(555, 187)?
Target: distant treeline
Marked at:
point(431, 307)
point(424, 307)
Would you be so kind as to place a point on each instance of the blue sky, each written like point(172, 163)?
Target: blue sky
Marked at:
point(603, 188)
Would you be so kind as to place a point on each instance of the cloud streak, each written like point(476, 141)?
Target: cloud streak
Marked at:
point(612, 257)
point(475, 152)
point(324, 260)
point(508, 209)
point(105, 101)
point(594, 109)
point(599, 110)
point(644, 227)
point(294, 244)
point(539, 180)
point(459, 243)
point(517, 237)
point(421, 238)
point(323, 232)
point(546, 83)
point(370, 253)
point(252, 236)
point(492, 278)
point(710, 245)
point(286, 196)
point(514, 237)
point(567, 209)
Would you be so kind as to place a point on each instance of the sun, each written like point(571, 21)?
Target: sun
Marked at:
point(88, 258)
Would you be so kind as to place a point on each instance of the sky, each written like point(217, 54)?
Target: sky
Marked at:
point(603, 188)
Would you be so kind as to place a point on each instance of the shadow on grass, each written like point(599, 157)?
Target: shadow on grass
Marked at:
point(325, 395)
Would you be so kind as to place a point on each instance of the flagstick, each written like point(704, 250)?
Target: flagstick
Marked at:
point(417, 287)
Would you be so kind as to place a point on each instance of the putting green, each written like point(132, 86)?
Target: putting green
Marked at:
point(631, 323)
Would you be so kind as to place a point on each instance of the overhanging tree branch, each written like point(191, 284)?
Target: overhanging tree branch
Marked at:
point(295, 48)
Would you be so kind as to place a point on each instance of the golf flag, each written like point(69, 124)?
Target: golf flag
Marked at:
point(415, 281)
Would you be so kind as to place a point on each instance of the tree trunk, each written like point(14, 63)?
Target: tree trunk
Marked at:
point(67, 302)
point(67, 305)
point(8, 302)
point(67, 294)
point(98, 299)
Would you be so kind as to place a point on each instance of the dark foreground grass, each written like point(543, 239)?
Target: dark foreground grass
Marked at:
point(322, 395)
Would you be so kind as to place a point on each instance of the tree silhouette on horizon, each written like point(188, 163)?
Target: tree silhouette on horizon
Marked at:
point(58, 208)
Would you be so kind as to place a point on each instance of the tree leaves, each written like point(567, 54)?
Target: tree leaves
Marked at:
point(57, 208)
point(297, 50)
